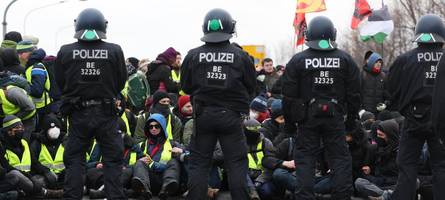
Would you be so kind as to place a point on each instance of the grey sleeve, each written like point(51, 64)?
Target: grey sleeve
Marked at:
point(18, 97)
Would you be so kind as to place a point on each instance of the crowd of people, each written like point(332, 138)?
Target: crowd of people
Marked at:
point(157, 126)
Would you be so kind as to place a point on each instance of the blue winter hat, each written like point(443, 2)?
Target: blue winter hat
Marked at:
point(259, 104)
point(373, 58)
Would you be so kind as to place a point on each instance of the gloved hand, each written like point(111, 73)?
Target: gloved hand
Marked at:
point(51, 177)
point(381, 106)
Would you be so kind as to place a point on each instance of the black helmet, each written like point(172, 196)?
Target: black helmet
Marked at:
point(430, 29)
point(321, 34)
point(218, 26)
point(90, 25)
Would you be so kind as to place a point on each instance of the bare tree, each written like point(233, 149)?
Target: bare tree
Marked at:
point(405, 14)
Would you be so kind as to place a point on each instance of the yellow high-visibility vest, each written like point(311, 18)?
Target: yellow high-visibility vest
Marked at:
point(259, 154)
point(55, 165)
point(23, 164)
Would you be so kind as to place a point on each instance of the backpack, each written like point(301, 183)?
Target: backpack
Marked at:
point(138, 90)
point(9, 78)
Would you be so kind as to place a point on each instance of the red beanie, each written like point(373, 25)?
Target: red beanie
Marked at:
point(182, 101)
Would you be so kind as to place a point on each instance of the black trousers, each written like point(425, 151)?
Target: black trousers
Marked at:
point(95, 177)
point(215, 123)
point(331, 132)
point(85, 124)
point(411, 143)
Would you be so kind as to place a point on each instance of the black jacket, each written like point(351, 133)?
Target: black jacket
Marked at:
point(159, 72)
point(384, 170)
point(11, 61)
point(360, 148)
point(273, 131)
point(219, 75)
point(411, 81)
point(77, 77)
point(438, 113)
point(305, 79)
point(372, 90)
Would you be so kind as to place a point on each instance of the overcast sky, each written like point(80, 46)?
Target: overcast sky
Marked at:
point(144, 28)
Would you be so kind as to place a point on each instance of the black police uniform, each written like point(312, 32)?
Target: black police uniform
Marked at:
point(220, 78)
point(320, 86)
point(438, 112)
point(411, 83)
point(91, 75)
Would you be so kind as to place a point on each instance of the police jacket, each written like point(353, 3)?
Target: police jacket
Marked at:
point(314, 74)
point(91, 70)
point(411, 78)
point(219, 74)
point(438, 99)
point(372, 89)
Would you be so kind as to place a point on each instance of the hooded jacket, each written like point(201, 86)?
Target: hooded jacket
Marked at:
point(273, 131)
point(267, 162)
point(152, 143)
point(384, 169)
point(373, 90)
point(159, 71)
point(38, 73)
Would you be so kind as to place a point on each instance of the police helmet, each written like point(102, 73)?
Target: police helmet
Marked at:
point(430, 29)
point(321, 34)
point(218, 26)
point(90, 25)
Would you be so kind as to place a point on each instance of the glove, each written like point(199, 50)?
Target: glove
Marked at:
point(380, 107)
point(51, 177)
point(149, 160)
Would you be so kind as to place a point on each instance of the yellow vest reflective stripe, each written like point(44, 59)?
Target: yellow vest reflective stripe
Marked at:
point(55, 165)
point(45, 99)
point(125, 118)
point(23, 164)
point(10, 108)
point(132, 159)
point(259, 154)
point(176, 77)
point(166, 154)
point(169, 128)
point(124, 91)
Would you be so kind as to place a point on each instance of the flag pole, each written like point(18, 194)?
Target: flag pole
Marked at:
point(383, 50)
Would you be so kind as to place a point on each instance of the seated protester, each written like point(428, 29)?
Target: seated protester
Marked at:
point(284, 169)
point(273, 128)
point(381, 176)
point(95, 176)
point(261, 161)
point(158, 172)
point(359, 146)
point(15, 101)
point(258, 109)
point(22, 162)
point(184, 110)
point(161, 105)
point(367, 119)
point(48, 147)
point(11, 61)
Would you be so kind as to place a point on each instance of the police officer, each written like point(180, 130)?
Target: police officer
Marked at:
point(411, 82)
point(321, 86)
point(221, 80)
point(91, 73)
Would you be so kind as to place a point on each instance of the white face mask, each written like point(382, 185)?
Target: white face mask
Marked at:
point(53, 133)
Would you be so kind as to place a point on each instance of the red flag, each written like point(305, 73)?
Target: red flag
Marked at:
point(307, 6)
point(300, 26)
point(362, 10)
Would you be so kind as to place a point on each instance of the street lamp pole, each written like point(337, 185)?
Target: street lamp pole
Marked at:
point(4, 16)
point(38, 8)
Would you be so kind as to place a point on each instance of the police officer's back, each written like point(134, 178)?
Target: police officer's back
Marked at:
point(411, 82)
point(320, 87)
point(220, 78)
point(91, 73)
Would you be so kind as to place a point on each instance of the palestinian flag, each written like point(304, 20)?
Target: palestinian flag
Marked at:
point(300, 26)
point(362, 10)
point(307, 6)
point(378, 26)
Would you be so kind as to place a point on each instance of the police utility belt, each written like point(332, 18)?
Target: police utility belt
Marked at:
point(322, 108)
